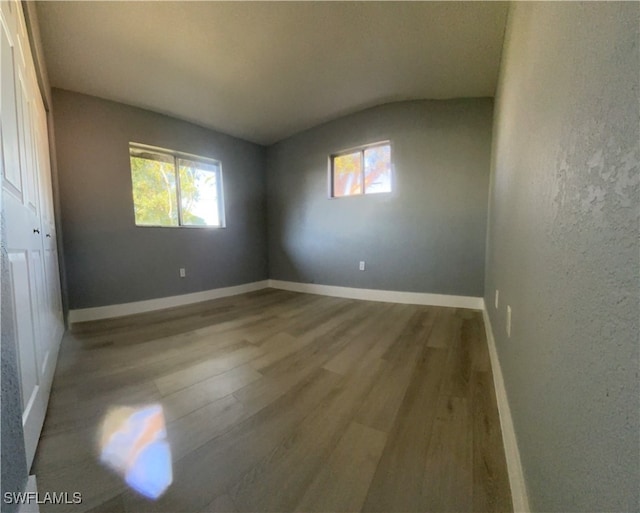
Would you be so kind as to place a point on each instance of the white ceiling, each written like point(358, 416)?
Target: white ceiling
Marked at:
point(265, 70)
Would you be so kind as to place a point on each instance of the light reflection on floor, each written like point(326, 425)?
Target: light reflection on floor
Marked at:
point(133, 443)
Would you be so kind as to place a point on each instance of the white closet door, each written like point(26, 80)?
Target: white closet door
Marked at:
point(52, 325)
point(26, 205)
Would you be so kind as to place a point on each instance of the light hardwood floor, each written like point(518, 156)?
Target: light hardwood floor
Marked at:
point(279, 401)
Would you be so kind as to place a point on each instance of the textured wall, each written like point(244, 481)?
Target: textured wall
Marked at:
point(563, 250)
point(108, 259)
point(428, 235)
point(12, 452)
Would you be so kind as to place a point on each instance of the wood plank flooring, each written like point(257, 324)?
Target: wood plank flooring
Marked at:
point(276, 401)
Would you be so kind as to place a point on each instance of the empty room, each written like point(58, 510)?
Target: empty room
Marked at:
point(320, 256)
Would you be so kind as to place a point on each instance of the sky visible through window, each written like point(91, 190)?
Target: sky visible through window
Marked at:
point(377, 169)
point(200, 205)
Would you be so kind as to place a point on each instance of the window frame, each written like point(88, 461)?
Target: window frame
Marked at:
point(360, 149)
point(176, 156)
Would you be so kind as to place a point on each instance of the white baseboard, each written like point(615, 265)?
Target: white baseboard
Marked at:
point(107, 312)
point(512, 453)
point(389, 296)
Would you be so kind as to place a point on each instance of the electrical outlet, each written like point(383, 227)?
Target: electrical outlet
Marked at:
point(508, 321)
point(362, 265)
point(183, 272)
point(497, 296)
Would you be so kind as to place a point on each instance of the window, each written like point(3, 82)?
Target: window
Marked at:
point(175, 189)
point(364, 170)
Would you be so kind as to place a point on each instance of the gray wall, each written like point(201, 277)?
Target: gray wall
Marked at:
point(108, 259)
point(563, 250)
point(426, 236)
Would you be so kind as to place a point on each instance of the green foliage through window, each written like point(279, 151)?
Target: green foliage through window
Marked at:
point(192, 196)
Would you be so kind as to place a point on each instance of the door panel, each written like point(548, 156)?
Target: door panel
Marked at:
point(40, 320)
point(8, 112)
point(29, 175)
point(23, 320)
